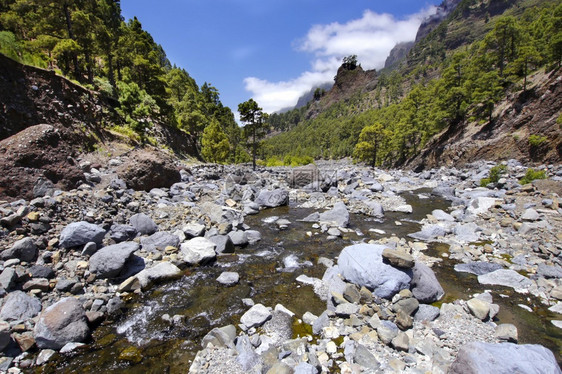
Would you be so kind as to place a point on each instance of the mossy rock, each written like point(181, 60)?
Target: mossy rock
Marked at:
point(131, 354)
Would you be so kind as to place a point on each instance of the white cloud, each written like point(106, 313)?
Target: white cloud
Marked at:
point(370, 38)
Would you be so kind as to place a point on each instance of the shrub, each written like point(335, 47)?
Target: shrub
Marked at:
point(536, 140)
point(494, 175)
point(531, 175)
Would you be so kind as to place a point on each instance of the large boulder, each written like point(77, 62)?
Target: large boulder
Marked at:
point(272, 199)
point(198, 251)
point(363, 265)
point(19, 306)
point(61, 323)
point(80, 233)
point(146, 170)
point(337, 216)
point(109, 261)
point(477, 267)
point(425, 286)
point(223, 244)
point(24, 249)
point(256, 316)
point(504, 358)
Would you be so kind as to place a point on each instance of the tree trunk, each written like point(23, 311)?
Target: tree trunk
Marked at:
point(71, 36)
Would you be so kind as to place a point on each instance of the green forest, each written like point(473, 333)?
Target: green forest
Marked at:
point(459, 72)
point(89, 42)
point(437, 88)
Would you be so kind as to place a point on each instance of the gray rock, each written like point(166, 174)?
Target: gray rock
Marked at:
point(478, 267)
point(256, 316)
point(228, 278)
point(375, 209)
point(61, 323)
point(89, 249)
point(143, 224)
point(193, 229)
point(18, 306)
point(247, 356)
point(507, 332)
point(426, 313)
point(80, 233)
point(253, 236)
point(223, 244)
point(346, 309)
point(397, 258)
point(198, 251)
point(239, 238)
point(322, 321)
point(65, 285)
point(272, 199)
point(466, 232)
point(479, 308)
point(305, 368)
point(313, 217)
point(8, 278)
point(387, 331)
point(24, 249)
point(441, 215)
point(158, 273)
point(425, 286)
point(121, 233)
point(408, 305)
point(549, 271)
point(363, 265)
point(159, 241)
point(5, 337)
point(337, 216)
point(220, 337)
point(506, 277)
point(365, 358)
point(429, 232)
point(44, 356)
point(504, 358)
point(530, 215)
point(109, 261)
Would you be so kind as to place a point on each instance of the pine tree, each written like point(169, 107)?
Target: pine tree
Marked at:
point(214, 143)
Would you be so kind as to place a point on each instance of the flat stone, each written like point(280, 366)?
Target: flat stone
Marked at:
point(506, 277)
point(401, 342)
point(426, 313)
point(346, 309)
point(504, 358)
point(161, 272)
point(193, 229)
point(478, 267)
point(398, 258)
point(24, 250)
point(255, 316)
point(228, 278)
point(272, 199)
point(530, 215)
point(159, 241)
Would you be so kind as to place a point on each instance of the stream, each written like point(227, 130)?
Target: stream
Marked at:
point(148, 338)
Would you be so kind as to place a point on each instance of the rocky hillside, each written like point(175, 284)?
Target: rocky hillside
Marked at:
point(48, 124)
point(512, 135)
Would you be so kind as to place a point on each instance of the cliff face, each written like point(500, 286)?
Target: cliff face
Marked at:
point(516, 118)
point(431, 22)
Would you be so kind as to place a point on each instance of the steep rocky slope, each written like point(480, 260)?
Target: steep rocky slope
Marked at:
point(48, 124)
point(519, 116)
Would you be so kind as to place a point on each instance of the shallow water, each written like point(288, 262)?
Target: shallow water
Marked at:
point(267, 271)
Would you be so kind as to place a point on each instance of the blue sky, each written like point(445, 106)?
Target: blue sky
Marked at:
point(275, 50)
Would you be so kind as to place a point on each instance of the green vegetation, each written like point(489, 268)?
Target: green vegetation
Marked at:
point(215, 145)
point(531, 175)
point(494, 175)
point(254, 118)
point(537, 140)
point(89, 42)
point(444, 83)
